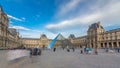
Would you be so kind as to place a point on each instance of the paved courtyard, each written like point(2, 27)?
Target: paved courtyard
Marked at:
point(63, 59)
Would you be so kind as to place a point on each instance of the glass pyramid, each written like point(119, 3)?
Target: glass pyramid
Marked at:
point(58, 37)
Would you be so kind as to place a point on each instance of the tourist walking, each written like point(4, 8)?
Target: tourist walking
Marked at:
point(96, 52)
point(31, 52)
point(39, 51)
point(118, 50)
point(81, 51)
point(106, 50)
point(35, 51)
point(68, 49)
point(54, 49)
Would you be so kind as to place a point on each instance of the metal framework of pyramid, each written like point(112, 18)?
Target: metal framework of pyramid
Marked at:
point(58, 37)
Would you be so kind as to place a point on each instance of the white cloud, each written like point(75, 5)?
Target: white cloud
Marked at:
point(26, 32)
point(82, 20)
point(23, 18)
point(65, 8)
point(19, 28)
point(108, 12)
point(15, 18)
point(24, 28)
point(36, 31)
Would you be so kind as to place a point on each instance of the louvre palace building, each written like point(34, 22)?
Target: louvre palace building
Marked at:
point(96, 37)
point(9, 37)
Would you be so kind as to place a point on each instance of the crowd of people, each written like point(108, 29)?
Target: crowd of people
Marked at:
point(35, 51)
point(86, 50)
point(67, 48)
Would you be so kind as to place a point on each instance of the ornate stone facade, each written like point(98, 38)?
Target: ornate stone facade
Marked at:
point(110, 39)
point(13, 39)
point(8, 38)
point(43, 41)
point(94, 34)
point(3, 27)
point(99, 38)
point(96, 37)
point(79, 41)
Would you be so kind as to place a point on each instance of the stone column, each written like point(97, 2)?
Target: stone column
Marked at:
point(107, 45)
point(117, 43)
point(112, 44)
point(98, 45)
point(89, 45)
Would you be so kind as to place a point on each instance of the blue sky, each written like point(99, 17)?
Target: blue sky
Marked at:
point(51, 17)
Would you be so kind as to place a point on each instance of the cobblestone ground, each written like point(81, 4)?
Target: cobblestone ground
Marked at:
point(63, 59)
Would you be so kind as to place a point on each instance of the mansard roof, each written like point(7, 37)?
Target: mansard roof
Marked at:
point(43, 36)
point(81, 37)
point(12, 31)
point(72, 36)
point(94, 26)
